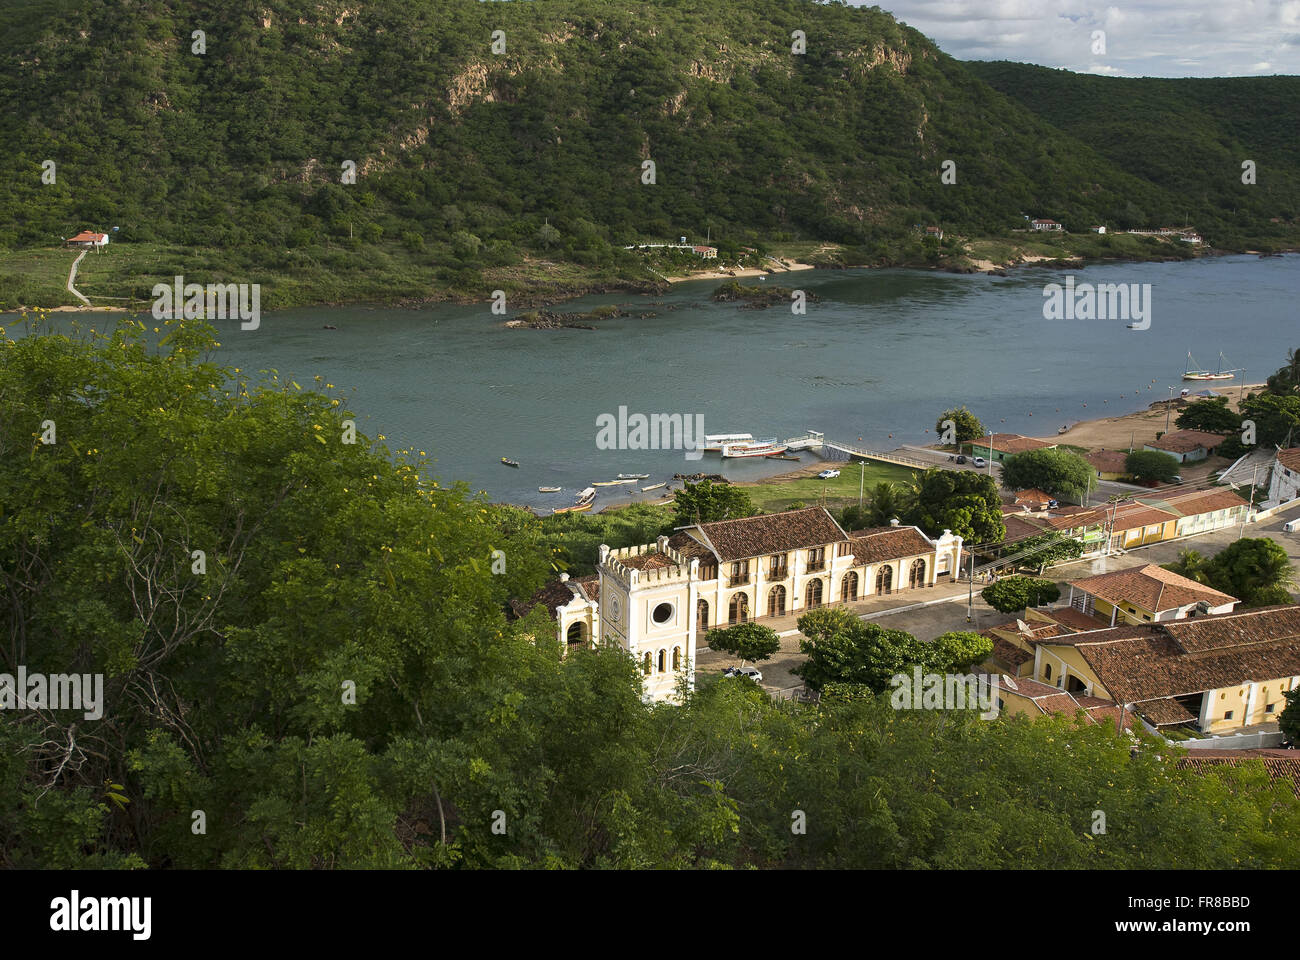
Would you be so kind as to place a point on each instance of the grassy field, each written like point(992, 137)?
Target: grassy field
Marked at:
point(775, 495)
point(36, 278)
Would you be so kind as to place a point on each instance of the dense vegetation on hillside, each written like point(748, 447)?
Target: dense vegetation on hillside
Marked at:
point(338, 686)
point(472, 161)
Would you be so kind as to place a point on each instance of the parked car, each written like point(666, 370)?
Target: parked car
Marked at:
point(961, 458)
point(1291, 526)
point(1177, 478)
point(828, 475)
point(750, 672)
point(980, 462)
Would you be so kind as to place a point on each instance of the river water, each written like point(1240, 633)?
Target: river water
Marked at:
point(878, 356)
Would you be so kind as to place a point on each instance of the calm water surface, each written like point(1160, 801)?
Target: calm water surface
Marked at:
point(880, 354)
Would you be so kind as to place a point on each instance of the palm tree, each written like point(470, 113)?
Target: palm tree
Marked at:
point(887, 502)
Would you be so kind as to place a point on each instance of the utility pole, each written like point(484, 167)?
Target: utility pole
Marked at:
point(1169, 407)
point(1250, 509)
point(970, 597)
point(862, 479)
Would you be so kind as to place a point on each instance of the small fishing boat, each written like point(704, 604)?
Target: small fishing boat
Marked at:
point(654, 486)
point(549, 489)
point(610, 483)
point(509, 463)
point(781, 456)
point(1063, 430)
point(634, 476)
point(576, 508)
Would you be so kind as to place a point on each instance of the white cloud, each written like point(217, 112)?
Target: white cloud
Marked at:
point(1162, 38)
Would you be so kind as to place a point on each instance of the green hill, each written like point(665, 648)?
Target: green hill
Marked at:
point(466, 159)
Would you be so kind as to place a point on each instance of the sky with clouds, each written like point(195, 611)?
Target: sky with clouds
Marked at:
point(1153, 38)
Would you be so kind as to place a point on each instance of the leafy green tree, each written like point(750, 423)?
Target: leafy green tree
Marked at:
point(1015, 594)
point(1276, 418)
point(1045, 550)
point(1054, 471)
point(962, 501)
point(748, 641)
point(1286, 382)
point(887, 503)
point(1289, 719)
point(1192, 565)
point(968, 426)
point(1151, 465)
point(1255, 570)
point(1211, 415)
point(706, 501)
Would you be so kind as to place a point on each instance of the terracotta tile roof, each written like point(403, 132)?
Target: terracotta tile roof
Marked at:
point(1281, 765)
point(1150, 587)
point(1185, 441)
point(1164, 712)
point(1032, 496)
point(888, 543)
point(1204, 501)
point(1290, 458)
point(1010, 443)
point(86, 236)
point(1134, 515)
point(1049, 699)
point(1107, 461)
point(555, 594)
point(590, 586)
point(1076, 620)
point(1177, 657)
point(688, 546)
point(772, 533)
point(647, 561)
point(1008, 653)
point(1019, 527)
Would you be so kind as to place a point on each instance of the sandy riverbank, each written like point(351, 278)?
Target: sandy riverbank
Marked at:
point(1139, 427)
point(743, 272)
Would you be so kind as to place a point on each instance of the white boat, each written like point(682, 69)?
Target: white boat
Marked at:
point(610, 483)
point(713, 443)
point(634, 476)
point(1219, 374)
point(549, 489)
point(588, 494)
point(654, 486)
point(759, 448)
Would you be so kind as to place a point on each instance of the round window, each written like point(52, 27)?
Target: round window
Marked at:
point(663, 613)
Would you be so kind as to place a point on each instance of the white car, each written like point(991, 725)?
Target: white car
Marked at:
point(980, 462)
point(750, 672)
point(828, 475)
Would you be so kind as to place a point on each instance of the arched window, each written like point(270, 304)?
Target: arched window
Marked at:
point(663, 655)
point(702, 616)
point(916, 576)
point(1047, 671)
point(645, 663)
point(813, 596)
point(885, 579)
point(677, 659)
point(577, 634)
point(849, 589)
point(738, 611)
point(776, 601)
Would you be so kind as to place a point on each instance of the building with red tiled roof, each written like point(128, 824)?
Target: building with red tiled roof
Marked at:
point(1109, 464)
point(999, 446)
point(87, 238)
point(1282, 766)
point(1145, 594)
point(1186, 446)
point(1034, 499)
point(1284, 480)
point(1215, 673)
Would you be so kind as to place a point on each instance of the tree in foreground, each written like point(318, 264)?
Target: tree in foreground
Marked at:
point(966, 425)
point(1211, 415)
point(748, 641)
point(1016, 594)
point(707, 502)
point(1151, 465)
point(962, 501)
point(1054, 471)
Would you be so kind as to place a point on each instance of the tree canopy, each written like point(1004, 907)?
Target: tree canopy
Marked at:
point(962, 501)
point(1014, 594)
point(1054, 471)
point(1151, 465)
point(706, 502)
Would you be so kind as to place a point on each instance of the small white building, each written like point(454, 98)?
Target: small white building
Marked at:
point(87, 239)
point(1098, 229)
point(1044, 225)
point(1284, 484)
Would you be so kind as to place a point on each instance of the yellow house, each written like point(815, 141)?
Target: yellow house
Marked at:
point(1144, 595)
point(1215, 674)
